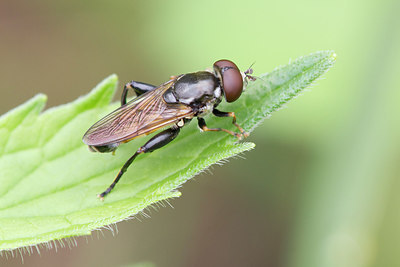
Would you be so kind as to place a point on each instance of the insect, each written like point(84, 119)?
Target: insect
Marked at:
point(172, 104)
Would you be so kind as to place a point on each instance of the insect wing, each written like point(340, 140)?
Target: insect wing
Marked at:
point(142, 115)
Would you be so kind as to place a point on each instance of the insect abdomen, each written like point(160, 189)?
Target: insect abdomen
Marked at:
point(104, 149)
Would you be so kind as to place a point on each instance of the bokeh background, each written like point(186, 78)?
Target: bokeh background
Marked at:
point(322, 186)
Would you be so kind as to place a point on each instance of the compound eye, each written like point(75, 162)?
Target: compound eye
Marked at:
point(232, 81)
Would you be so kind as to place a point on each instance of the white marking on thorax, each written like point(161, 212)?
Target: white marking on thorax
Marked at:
point(217, 92)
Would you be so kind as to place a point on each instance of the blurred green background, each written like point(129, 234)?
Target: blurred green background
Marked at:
point(321, 187)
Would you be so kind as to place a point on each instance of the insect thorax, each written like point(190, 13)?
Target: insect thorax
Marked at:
point(200, 90)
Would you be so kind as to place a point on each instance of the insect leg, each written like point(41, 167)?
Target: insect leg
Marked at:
point(154, 143)
point(138, 87)
point(218, 113)
point(203, 126)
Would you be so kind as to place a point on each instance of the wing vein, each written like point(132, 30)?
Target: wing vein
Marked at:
point(142, 115)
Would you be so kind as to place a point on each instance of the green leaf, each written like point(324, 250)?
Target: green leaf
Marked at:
point(49, 180)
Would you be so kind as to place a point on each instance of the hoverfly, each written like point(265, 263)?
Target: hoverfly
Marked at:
point(174, 103)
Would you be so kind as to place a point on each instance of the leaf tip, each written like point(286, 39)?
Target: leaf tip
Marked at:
point(39, 100)
point(102, 93)
point(35, 104)
point(40, 97)
point(330, 55)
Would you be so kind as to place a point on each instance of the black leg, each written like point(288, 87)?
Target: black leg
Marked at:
point(154, 143)
point(203, 126)
point(218, 113)
point(138, 87)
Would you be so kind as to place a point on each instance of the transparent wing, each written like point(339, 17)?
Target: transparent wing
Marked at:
point(142, 115)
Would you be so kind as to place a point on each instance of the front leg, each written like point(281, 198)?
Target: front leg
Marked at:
point(138, 87)
point(218, 113)
point(203, 126)
point(154, 143)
